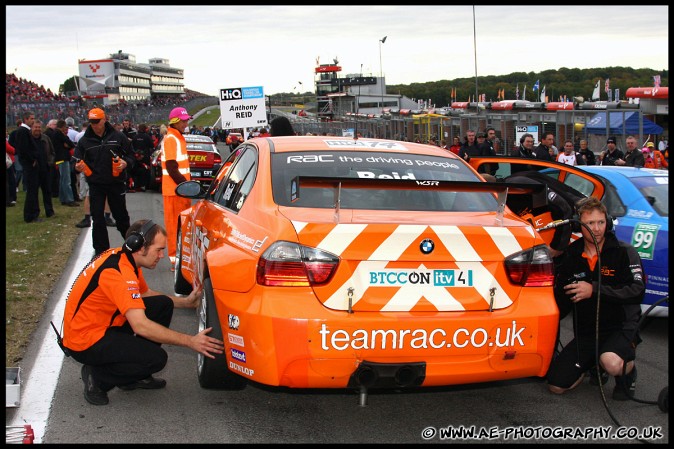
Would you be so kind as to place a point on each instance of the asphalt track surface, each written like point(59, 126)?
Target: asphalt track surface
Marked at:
point(520, 411)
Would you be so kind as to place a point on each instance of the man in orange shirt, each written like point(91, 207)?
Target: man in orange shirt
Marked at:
point(114, 324)
point(175, 165)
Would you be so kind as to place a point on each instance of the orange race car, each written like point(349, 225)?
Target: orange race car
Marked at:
point(329, 262)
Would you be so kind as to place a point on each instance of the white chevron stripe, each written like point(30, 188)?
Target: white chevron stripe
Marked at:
point(504, 239)
point(397, 242)
point(483, 280)
point(340, 237)
point(409, 295)
point(457, 243)
point(299, 225)
point(359, 280)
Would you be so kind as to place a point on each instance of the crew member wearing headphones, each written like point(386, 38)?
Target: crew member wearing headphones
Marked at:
point(526, 150)
point(114, 324)
point(621, 291)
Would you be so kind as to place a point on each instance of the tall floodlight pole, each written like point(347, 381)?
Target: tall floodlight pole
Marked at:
point(360, 80)
point(381, 76)
point(477, 107)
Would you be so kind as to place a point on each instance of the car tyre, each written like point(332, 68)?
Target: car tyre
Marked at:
point(180, 285)
point(213, 373)
point(153, 184)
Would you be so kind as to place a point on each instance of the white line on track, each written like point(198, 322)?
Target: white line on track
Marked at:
point(38, 386)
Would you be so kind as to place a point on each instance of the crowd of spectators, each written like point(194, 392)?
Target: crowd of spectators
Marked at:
point(22, 94)
point(22, 90)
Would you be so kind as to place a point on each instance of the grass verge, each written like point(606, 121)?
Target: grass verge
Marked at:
point(35, 256)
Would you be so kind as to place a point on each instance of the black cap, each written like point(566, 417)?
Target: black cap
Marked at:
point(481, 135)
point(610, 140)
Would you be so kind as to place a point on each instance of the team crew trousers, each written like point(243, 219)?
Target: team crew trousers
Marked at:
point(116, 196)
point(120, 357)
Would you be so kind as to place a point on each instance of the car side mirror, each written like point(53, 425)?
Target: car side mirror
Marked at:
point(190, 189)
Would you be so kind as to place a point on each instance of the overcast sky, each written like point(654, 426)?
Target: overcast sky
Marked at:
point(277, 46)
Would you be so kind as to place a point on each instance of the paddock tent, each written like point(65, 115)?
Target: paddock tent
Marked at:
point(597, 125)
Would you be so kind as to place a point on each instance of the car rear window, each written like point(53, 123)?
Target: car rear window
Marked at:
point(199, 146)
point(364, 164)
point(656, 191)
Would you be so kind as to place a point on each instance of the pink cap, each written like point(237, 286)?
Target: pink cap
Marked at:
point(178, 114)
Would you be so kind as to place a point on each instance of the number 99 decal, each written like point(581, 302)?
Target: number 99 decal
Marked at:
point(643, 239)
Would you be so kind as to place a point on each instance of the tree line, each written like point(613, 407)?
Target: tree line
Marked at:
point(558, 83)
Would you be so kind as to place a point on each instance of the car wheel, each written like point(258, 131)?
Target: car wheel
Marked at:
point(180, 285)
point(153, 179)
point(213, 373)
point(152, 184)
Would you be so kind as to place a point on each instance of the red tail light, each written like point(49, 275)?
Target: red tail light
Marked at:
point(217, 159)
point(287, 264)
point(531, 268)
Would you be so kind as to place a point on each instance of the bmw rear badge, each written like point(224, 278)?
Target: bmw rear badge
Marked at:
point(427, 246)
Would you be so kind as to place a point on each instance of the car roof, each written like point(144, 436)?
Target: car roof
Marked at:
point(628, 172)
point(338, 143)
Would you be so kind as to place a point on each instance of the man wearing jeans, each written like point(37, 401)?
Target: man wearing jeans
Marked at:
point(62, 147)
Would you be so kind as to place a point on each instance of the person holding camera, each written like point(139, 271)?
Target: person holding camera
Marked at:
point(607, 271)
point(114, 324)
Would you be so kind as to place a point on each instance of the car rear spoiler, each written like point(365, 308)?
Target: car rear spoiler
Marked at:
point(502, 189)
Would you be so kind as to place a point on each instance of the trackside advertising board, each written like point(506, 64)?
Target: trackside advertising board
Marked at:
point(527, 129)
point(242, 107)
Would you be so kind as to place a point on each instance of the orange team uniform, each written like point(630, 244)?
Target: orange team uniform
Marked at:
point(173, 148)
point(100, 297)
point(656, 161)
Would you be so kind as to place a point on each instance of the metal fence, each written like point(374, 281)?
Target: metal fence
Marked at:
point(136, 112)
point(563, 124)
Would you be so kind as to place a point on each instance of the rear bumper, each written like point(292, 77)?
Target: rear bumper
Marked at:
point(296, 342)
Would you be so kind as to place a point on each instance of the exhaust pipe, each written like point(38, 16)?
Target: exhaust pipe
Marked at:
point(406, 376)
point(366, 376)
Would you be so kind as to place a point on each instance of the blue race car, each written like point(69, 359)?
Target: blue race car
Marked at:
point(638, 200)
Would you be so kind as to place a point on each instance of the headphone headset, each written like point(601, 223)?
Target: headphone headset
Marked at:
point(576, 226)
point(136, 240)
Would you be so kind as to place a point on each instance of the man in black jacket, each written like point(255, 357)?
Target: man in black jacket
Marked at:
point(585, 153)
point(471, 148)
point(599, 267)
point(487, 149)
point(50, 131)
point(611, 154)
point(543, 149)
point(143, 146)
point(107, 153)
point(525, 150)
point(44, 166)
point(633, 157)
point(32, 158)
